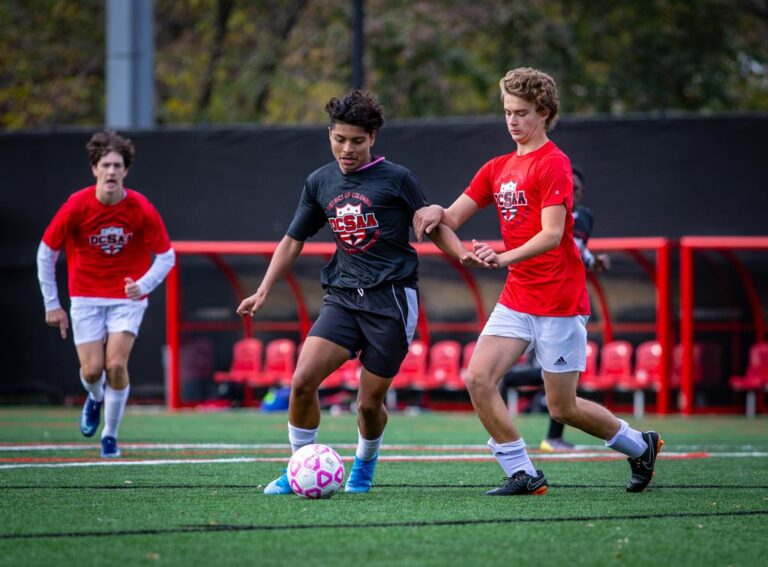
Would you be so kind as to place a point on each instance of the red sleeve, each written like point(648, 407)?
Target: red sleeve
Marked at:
point(480, 189)
point(55, 235)
point(155, 234)
point(556, 182)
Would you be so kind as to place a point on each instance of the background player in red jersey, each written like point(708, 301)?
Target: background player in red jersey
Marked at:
point(544, 304)
point(109, 234)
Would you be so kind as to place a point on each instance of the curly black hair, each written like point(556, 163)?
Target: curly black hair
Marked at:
point(357, 108)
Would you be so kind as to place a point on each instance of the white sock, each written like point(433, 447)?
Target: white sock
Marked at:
point(114, 406)
point(95, 390)
point(512, 457)
point(300, 437)
point(628, 441)
point(367, 448)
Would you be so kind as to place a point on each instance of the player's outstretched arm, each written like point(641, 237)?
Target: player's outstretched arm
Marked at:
point(447, 241)
point(427, 218)
point(282, 260)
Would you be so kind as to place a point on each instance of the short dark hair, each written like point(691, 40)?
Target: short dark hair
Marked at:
point(357, 108)
point(101, 143)
point(577, 172)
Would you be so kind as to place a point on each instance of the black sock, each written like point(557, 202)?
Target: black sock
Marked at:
point(555, 429)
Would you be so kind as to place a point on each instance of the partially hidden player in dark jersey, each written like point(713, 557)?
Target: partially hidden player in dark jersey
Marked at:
point(583, 223)
point(371, 300)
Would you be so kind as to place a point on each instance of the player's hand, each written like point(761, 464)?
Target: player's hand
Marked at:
point(58, 318)
point(132, 289)
point(602, 263)
point(250, 305)
point(426, 219)
point(471, 260)
point(485, 253)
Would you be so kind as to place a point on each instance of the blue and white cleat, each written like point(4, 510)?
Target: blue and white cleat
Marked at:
point(279, 486)
point(361, 476)
point(90, 417)
point(109, 448)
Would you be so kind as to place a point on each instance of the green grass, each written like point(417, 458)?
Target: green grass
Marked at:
point(703, 511)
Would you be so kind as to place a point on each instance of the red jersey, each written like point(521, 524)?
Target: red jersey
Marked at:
point(106, 243)
point(550, 284)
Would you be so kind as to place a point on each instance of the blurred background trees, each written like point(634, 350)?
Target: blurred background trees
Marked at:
point(278, 61)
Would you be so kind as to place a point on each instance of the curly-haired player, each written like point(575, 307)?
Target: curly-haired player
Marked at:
point(544, 304)
point(371, 300)
point(109, 234)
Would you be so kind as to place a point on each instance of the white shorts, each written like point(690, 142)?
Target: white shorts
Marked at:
point(91, 323)
point(560, 342)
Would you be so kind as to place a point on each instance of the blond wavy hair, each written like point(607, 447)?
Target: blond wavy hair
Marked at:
point(534, 86)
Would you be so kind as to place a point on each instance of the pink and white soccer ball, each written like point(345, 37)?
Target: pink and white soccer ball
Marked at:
point(315, 471)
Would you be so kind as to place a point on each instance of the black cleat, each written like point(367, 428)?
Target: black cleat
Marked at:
point(642, 466)
point(521, 483)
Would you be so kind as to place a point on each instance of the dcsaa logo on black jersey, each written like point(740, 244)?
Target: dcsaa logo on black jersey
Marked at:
point(111, 239)
point(509, 199)
point(351, 224)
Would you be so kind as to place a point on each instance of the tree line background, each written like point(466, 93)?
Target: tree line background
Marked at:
point(278, 61)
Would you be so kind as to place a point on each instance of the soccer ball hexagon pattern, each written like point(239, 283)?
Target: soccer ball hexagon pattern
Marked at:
point(315, 471)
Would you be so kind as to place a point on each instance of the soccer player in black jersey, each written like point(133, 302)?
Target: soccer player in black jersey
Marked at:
point(371, 300)
point(583, 222)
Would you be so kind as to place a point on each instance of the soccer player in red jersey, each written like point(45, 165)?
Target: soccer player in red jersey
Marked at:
point(109, 234)
point(544, 304)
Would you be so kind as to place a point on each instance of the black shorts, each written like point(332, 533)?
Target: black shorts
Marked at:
point(378, 322)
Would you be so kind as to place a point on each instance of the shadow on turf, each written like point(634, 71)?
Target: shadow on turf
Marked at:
point(201, 528)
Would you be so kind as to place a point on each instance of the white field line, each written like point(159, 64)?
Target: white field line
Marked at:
point(400, 458)
point(579, 449)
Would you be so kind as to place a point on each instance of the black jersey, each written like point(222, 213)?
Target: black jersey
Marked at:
point(370, 212)
point(582, 223)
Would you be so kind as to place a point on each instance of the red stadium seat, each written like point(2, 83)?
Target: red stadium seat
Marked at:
point(590, 380)
point(755, 379)
point(414, 367)
point(279, 362)
point(647, 375)
point(246, 364)
point(444, 368)
point(676, 377)
point(345, 376)
point(616, 361)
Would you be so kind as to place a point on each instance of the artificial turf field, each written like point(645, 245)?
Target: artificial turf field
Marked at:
point(188, 492)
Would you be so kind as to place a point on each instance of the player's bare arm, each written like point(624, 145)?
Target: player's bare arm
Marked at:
point(283, 259)
point(427, 218)
point(445, 239)
point(548, 238)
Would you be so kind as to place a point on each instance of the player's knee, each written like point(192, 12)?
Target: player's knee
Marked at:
point(117, 373)
point(561, 411)
point(369, 408)
point(91, 373)
point(302, 385)
point(478, 381)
